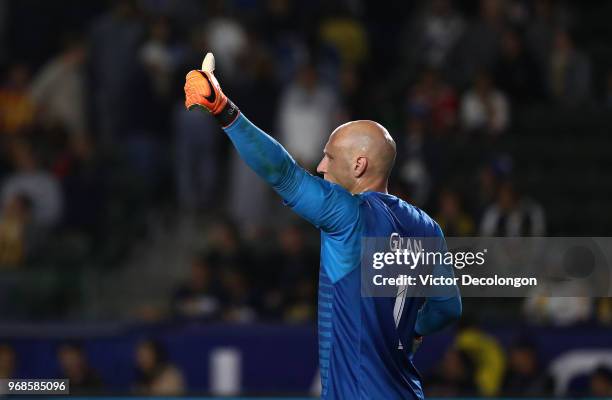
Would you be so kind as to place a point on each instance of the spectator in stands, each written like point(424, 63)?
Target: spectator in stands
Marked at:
point(7, 362)
point(16, 107)
point(237, 296)
point(478, 48)
point(601, 382)
point(197, 158)
point(115, 37)
point(604, 311)
point(541, 308)
point(84, 182)
point(454, 377)
point(515, 72)
point(433, 33)
point(155, 375)
point(540, 31)
point(414, 160)
point(15, 231)
point(434, 101)
point(225, 243)
point(226, 38)
point(38, 185)
point(484, 108)
point(451, 217)
point(353, 94)
point(161, 56)
point(295, 266)
point(302, 305)
point(513, 215)
point(525, 376)
point(307, 114)
point(345, 34)
point(198, 297)
point(484, 195)
point(487, 356)
point(488, 179)
point(258, 85)
point(567, 298)
point(75, 367)
point(569, 73)
point(58, 89)
point(278, 30)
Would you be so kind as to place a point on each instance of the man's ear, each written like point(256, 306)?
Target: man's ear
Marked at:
point(360, 167)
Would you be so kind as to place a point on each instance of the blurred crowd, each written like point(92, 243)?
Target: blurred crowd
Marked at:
point(477, 365)
point(153, 375)
point(233, 280)
point(474, 365)
point(98, 149)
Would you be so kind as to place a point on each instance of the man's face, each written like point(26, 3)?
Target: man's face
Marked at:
point(335, 165)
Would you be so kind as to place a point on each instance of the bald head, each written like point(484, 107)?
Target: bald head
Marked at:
point(359, 156)
point(367, 139)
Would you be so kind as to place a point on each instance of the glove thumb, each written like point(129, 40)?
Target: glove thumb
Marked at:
point(208, 64)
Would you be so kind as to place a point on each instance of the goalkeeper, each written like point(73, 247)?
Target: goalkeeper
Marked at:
point(361, 355)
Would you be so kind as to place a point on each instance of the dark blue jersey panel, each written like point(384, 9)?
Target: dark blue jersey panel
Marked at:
point(365, 342)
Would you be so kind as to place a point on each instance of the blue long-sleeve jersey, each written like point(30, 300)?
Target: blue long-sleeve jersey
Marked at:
point(360, 351)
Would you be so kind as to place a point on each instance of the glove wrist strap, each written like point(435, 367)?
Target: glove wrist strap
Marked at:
point(228, 114)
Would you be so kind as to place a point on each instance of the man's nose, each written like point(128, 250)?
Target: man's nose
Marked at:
point(321, 168)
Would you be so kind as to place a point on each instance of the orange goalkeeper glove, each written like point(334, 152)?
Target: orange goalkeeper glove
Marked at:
point(202, 89)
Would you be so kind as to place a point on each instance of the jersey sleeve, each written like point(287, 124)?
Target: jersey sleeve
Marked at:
point(328, 206)
point(443, 270)
point(439, 311)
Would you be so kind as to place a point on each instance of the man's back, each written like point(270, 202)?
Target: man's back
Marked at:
point(361, 339)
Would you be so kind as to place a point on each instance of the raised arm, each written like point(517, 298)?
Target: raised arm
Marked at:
point(326, 205)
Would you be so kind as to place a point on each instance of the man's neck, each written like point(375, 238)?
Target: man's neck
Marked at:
point(371, 186)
